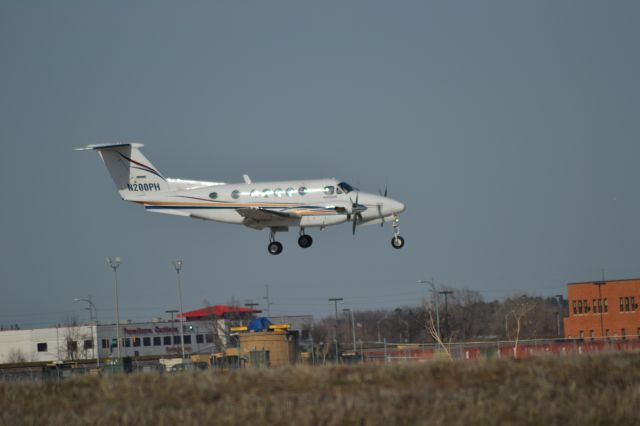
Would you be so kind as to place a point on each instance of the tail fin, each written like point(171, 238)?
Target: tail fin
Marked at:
point(132, 173)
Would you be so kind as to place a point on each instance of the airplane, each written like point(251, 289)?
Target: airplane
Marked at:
point(276, 206)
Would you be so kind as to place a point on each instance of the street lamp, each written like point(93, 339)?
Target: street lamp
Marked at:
point(113, 264)
point(178, 265)
point(92, 309)
point(434, 295)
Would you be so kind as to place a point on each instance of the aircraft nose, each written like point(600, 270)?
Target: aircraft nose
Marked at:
point(397, 206)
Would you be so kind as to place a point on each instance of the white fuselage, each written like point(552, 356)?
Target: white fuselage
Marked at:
point(310, 203)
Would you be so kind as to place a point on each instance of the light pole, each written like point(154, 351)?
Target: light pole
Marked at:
point(446, 310)
point(268, 300)
point(178, 265)
point(335, 301)
point(434, 295)
point(353, 328)
point(92, 308)
point(113, 264)
point(173, 324)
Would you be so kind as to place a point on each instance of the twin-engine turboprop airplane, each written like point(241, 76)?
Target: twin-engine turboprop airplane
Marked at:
point(258, 205)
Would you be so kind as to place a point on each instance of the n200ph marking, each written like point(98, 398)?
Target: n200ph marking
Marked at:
point(143, 187)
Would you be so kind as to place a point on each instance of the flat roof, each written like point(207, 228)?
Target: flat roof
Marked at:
point(605, 281)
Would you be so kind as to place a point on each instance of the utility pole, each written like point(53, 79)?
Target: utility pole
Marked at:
point(446, 310)
point(335, 301)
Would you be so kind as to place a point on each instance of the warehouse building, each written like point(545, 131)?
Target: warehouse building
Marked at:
point(205, 331)
point(603, 309)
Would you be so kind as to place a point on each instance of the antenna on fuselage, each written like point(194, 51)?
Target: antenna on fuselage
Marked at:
point(247, 179)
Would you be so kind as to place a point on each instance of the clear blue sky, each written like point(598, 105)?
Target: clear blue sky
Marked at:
point(510, 130)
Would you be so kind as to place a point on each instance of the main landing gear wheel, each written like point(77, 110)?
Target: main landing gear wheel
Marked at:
point(305, 241)
point(275, 248)
point(397, 242)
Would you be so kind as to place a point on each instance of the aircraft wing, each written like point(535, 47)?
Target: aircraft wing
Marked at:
point(259, 218)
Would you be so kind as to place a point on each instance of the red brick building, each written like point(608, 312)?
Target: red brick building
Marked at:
point(603, 308)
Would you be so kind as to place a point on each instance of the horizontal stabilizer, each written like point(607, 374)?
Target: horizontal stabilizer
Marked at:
point(109, 145)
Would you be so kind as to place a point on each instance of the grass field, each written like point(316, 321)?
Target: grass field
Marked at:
point(580, 390)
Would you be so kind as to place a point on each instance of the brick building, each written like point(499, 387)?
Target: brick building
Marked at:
point(603, 309)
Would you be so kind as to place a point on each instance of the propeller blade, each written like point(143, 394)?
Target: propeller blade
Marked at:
point(385, 190)
point(355, 220)
point(380, 214)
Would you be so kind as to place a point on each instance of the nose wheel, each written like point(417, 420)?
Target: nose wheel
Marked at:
point(397, 241)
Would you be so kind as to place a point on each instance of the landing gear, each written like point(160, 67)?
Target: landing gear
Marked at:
point(274, 246)
point(397, 241)
point(305, 241)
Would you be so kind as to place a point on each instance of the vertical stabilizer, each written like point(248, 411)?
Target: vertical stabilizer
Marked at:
point(132, 173)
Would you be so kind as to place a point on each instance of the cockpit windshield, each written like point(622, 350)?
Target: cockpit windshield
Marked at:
point(346, 187)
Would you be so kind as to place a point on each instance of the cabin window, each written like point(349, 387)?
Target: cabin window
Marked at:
point(235, 194)
point(266, 193)
point(329, 190)
point(278, 192)
point(255, 193)
point(291, 192)
point(213, 195)
point(302, 190)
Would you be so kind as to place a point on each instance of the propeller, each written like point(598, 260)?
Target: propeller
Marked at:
point(356, 213)
point(380, 205)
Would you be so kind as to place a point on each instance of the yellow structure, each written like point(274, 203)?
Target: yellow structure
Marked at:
point(278, 347)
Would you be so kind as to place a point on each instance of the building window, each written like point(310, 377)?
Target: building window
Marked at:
point(235, 194)
point(176, 340)
point(136, 341)
point(575, 310)
point(623, 333)
point(167, 340)
point(595, 309)
point(621, 305)
point(586, 306)
point(606, 306)
point(127, 342)
point(72, 346)
point(592, 334)
point(42, 347)
point(626, 304)
point(88, 344)
point(633, 303)
point(157, 341)
point(579, 306)
point(638, 333)
point(199, 338)
point(146, 341)
point(187, 339)
point(105, 343)
point(209, 337)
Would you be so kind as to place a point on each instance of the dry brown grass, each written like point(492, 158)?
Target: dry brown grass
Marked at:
point(578, 390)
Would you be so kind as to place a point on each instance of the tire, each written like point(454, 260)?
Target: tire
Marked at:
point(397, 242)
point(275, 248)
point(305, 241)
